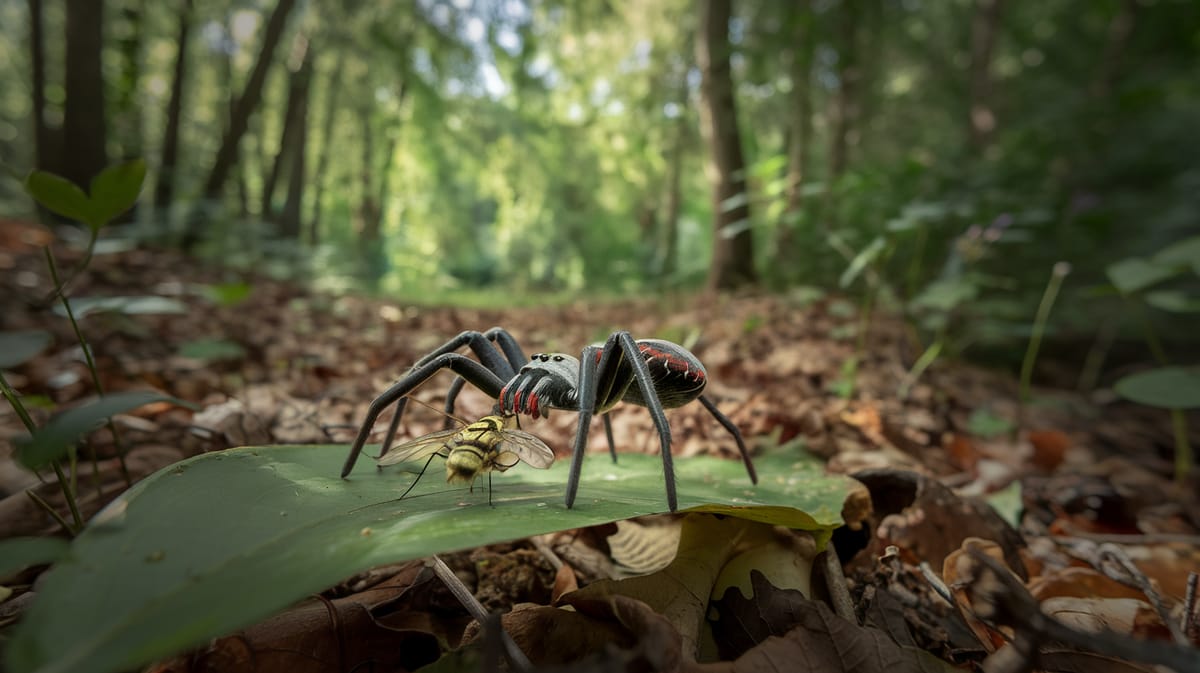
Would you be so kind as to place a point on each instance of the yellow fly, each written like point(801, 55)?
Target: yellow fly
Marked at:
point(492, 443)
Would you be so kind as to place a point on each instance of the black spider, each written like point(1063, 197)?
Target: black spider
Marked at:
point(652, 373)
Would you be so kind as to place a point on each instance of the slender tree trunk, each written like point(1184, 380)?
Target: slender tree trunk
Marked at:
point(227, 155)
point(733, 244)
point(669, 236)
point(985, 23)
point(289, 136)
point(328, 126)
point(1119, 30)
point(289, 217)
point(844, 110)
point(164, 189)
point(84, 127)
point(37, 59)
point(128, 108)
point(799, 130)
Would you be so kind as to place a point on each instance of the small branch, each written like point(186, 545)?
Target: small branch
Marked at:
point(37, 500)
point(515, 656)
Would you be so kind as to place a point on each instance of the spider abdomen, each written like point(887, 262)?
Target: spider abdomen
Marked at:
point(679, 377)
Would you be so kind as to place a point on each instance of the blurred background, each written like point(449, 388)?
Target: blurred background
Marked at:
point(939, 158)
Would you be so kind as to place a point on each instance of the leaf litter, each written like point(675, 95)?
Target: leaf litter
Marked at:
point(1090, 475)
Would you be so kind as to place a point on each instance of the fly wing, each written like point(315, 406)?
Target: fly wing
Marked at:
point(425, 445)
point(526, 447)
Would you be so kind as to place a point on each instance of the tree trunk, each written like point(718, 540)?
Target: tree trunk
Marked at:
point(799, 130)
point(289, 136)
point(164, 189)
point(669, 236)
point(733, 244)
point(128, 120)
point(844, 111)
point(84, 127)
point(42, 154)
point(985, 22)
point(239, 120)
point(328, 126)
point(289, 217)
point(1119, 30)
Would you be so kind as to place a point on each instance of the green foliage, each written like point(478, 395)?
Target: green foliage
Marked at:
point(225, 539)
point(52, 441)
point(18, 553)
point(113, 192)
point(211, 350)
point(1164, 387)
point(135, 305)
point(18, 347)
point(984, 423)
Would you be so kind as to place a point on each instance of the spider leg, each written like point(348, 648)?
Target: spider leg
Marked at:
point(479, 375)
point(601, 384)
point(512, 351)
point(737, 436)
point(480, 344)
point(612, 446)
point(641, 374)
point(587, 403)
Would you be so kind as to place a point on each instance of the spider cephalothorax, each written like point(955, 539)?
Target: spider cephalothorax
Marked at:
point(652, 373)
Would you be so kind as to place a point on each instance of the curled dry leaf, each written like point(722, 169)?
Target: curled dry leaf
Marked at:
point(927, 521)
point(822, 641)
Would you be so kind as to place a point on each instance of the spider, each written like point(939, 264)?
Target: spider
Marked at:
point(651, 373)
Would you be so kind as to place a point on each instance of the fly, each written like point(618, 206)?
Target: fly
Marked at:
point(490, 444)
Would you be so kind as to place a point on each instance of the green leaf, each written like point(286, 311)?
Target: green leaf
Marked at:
point(1181, 253)
point(861, 261)
point(143, 305)
point(984, 423)
point(19, 347)
point(1175, 301)
point(1135, 273)
point(1165, 387)
point(212, 349)
point(18, 553)
point(52, 440)
point(944, 296)
point(227, 294)
point(59, 195)
point(115, 190)
point(225, 539)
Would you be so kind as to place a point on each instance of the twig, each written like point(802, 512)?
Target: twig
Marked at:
point(1111, 552)
point(1191, 622)
point(1000, 598)
point(515, 656)
point(91, 365)
point(835, 584)
point(939, 587)
point(37, 500)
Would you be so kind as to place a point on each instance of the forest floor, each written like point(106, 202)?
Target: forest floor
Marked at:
point(1105, 537)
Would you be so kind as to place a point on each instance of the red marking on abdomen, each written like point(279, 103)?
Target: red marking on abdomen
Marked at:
point(671, 363)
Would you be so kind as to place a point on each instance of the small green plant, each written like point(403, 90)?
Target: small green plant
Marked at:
point(1169, 387)
point(1057, 274)
point(112, 192)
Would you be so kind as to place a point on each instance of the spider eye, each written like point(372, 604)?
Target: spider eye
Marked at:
point(558, 358)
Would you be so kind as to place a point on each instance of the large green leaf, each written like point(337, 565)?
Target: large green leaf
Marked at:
point(1180, 253)
point(1134, 274)
point(59, 195)
point(52, 440)
point(225, 539)
point(134, 305)
point(20, 346)
point(1165, 387)
point(115, 190)
point(17, 553)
